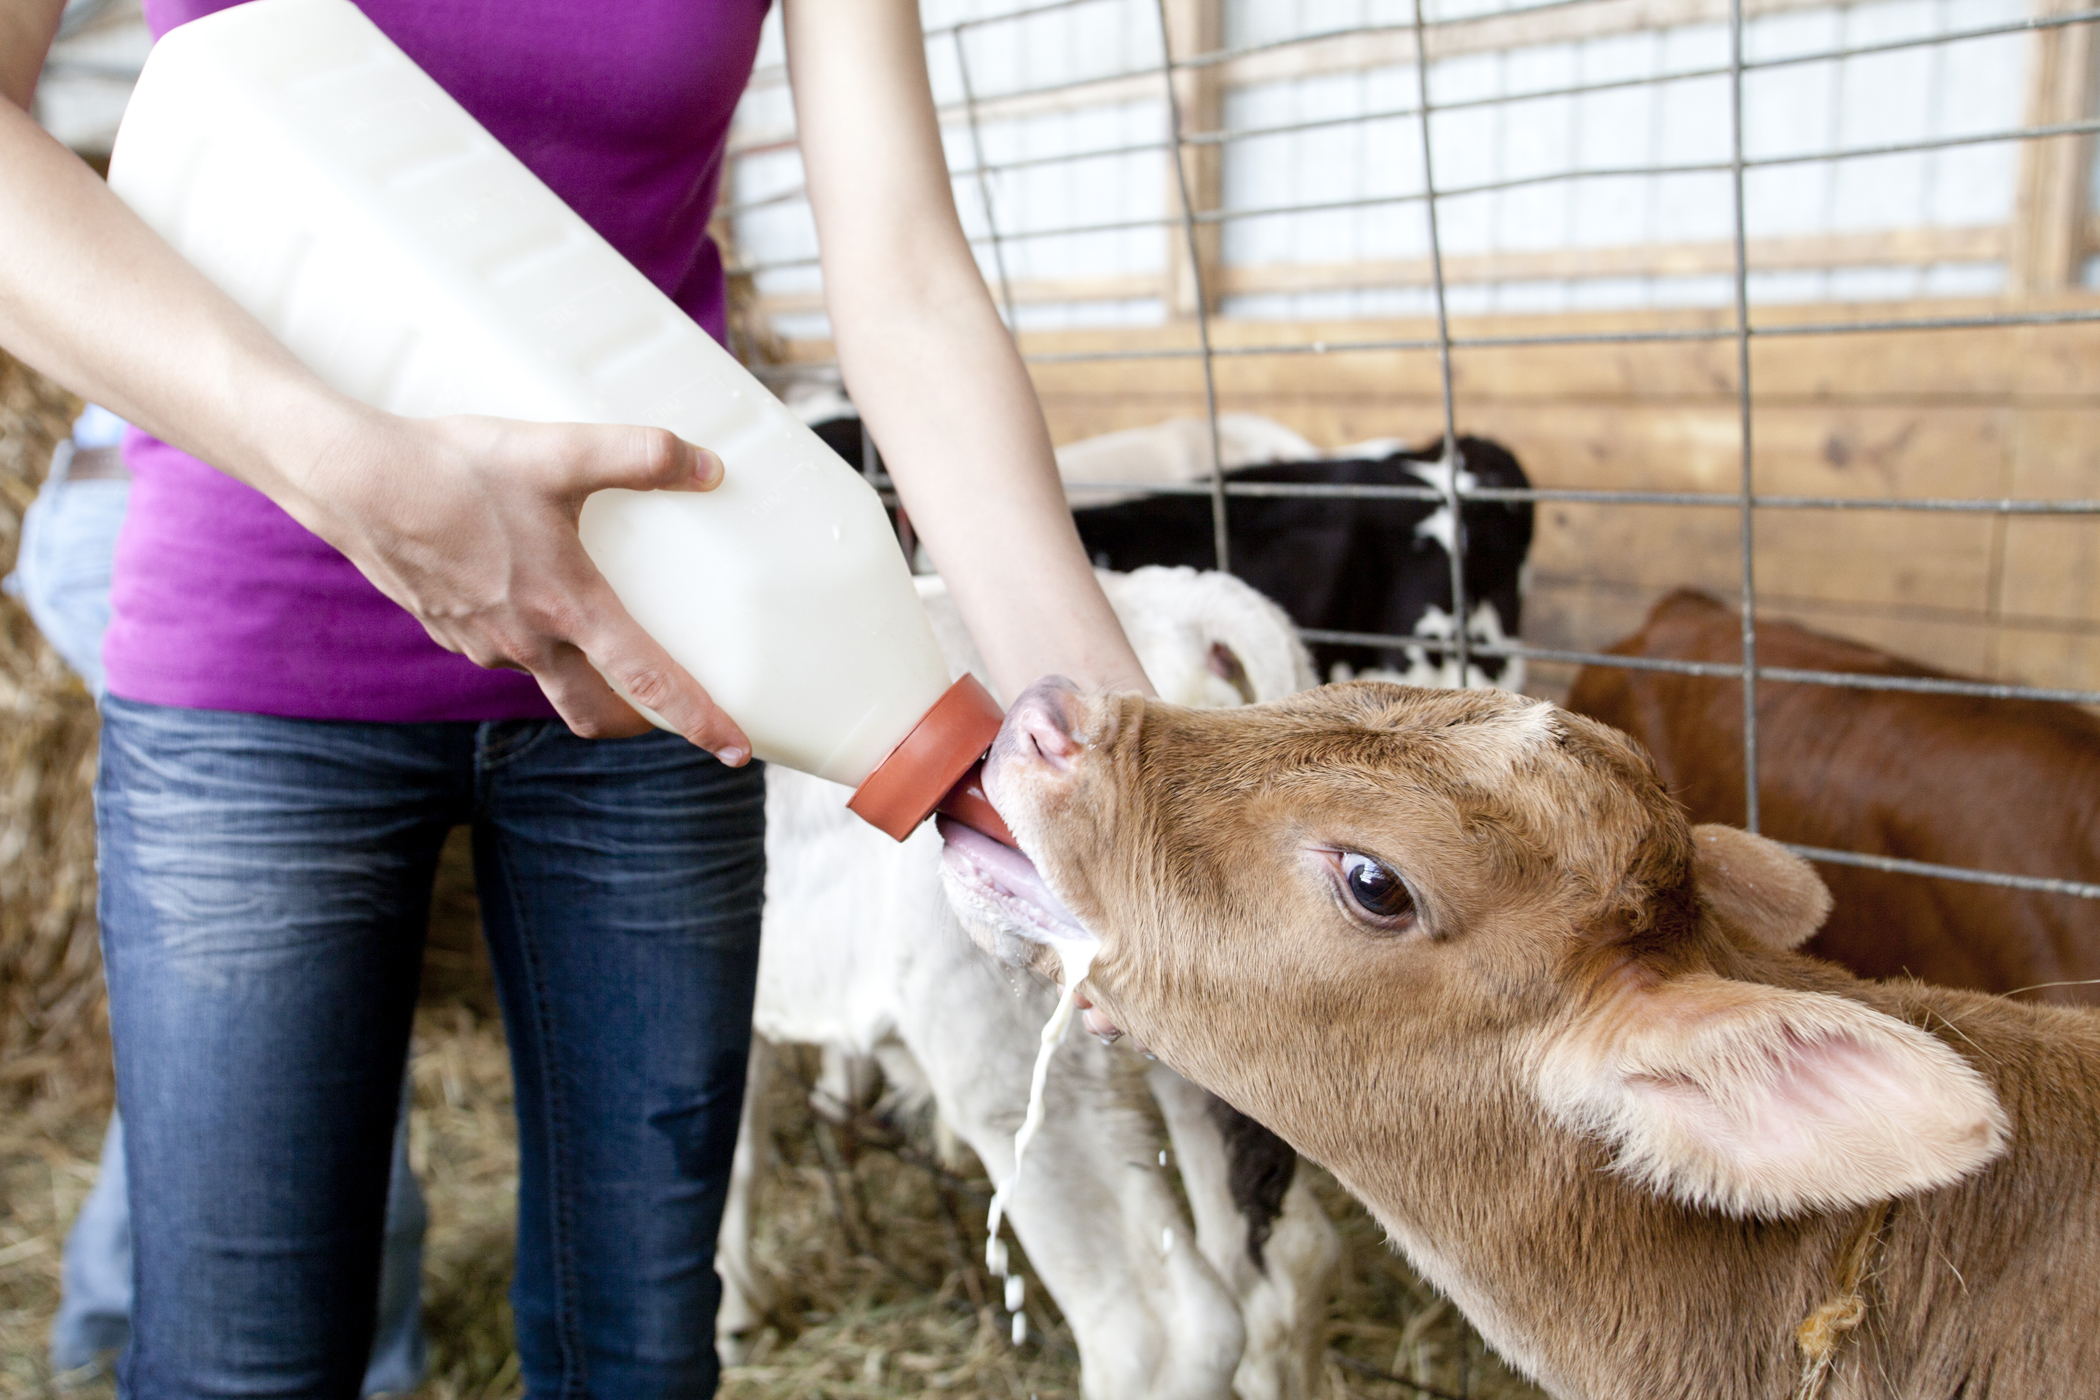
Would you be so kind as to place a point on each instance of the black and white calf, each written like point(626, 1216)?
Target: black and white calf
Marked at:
point(1365, 565)
point(1354, 564)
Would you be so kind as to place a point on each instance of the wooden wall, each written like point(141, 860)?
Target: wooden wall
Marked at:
point(2000, 412)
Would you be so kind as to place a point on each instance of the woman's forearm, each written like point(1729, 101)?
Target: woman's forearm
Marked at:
point(945, 395)
point(928, 362)
point(93, 298)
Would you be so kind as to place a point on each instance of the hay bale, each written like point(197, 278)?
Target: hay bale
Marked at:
point(35, 417)
point(54, 1059)
point(53, 1024)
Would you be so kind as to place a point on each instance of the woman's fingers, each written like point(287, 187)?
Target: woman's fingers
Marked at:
point(644, 673)
point(582, 698)
point(594, 663)
point(596, 458)
point(593, 618)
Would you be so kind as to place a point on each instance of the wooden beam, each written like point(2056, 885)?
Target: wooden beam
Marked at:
point(1378, 48)
point(1193, 27)
point(2048, 244)
point(1878, 248)
point(1045, 291)
point(2043, 365)
point(1346, 53)
point(1919, 247)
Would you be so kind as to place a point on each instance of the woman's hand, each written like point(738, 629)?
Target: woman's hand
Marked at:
point(471, 525)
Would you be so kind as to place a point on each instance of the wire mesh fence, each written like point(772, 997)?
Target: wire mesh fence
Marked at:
point(1121, 65)
point(1944, 142)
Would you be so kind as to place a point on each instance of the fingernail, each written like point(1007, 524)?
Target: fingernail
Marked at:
point(711, 468)
point(732, 756)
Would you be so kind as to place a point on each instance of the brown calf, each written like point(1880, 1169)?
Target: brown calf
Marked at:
point(2011, 785)
point(1463, 949)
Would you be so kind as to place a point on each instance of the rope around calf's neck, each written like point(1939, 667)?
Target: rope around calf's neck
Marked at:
point(1823, 1331)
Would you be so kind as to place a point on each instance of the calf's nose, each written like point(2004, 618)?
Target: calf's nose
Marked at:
point(1039, 726)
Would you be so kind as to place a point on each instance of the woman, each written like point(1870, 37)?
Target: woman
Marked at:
point(284, 747)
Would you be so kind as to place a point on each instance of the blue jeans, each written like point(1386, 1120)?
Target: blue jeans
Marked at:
point(62, 575)
point(265, 885)
point(94, 1305)
point(95, 1277)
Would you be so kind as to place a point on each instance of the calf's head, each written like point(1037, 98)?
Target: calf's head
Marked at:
point(1371, 909)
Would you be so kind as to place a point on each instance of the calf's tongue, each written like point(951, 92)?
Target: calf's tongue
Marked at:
point(1012, 878)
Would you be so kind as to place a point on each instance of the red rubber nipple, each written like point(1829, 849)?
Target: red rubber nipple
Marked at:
point(936, 766)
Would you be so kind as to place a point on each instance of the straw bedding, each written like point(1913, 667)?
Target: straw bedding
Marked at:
point(872, 1246)
point(50, 1003)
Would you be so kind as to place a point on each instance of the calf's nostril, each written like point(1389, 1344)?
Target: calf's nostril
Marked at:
point(1052, 743)
point(1043, 714)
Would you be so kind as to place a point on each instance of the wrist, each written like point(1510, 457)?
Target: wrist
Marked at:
point(305, 446)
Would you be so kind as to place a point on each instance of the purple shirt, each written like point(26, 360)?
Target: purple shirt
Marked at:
point(221, 600)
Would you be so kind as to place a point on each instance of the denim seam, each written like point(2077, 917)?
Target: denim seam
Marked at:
point(125, 1371)
point(490, 756)
point(561, 1257)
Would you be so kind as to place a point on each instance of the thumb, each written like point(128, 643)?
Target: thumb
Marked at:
point(638, 459)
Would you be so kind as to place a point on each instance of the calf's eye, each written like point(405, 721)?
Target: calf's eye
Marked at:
point(1375, 889)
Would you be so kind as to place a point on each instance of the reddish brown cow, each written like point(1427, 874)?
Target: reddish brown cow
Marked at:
point(2011, 785)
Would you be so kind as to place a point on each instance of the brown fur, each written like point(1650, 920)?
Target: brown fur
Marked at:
point(2010, 785)
point(1562, 924)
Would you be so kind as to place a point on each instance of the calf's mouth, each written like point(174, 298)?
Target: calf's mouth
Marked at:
point(1008, 894)
point(1010, 909)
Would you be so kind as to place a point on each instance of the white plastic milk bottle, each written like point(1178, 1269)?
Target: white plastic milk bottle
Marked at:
point(301, 161)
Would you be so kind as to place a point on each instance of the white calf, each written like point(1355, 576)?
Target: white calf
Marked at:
point(864, 956)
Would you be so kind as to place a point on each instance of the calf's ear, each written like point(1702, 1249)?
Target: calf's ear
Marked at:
point(1758, 887)
point(1761, 1101)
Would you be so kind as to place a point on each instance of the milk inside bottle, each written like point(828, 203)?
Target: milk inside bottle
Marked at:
point(307, 166)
